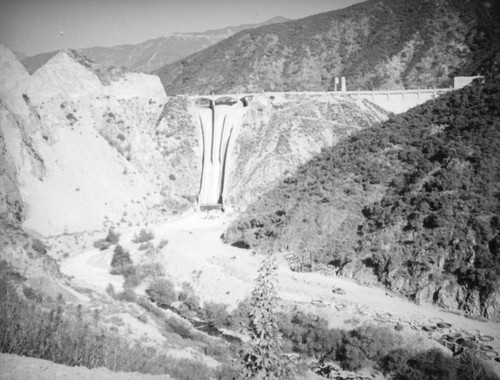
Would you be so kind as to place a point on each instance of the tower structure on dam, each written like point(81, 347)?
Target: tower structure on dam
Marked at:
point(218, 117)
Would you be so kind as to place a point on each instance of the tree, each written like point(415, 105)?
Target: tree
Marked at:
point(263, 358)
point(121, 260)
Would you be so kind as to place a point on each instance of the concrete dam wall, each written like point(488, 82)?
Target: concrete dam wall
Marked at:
point(217, 120)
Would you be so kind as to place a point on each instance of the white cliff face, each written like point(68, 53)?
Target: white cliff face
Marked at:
point(14, 80)
point(80, 143)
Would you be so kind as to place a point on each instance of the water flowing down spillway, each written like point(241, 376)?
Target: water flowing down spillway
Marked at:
point(217, 122)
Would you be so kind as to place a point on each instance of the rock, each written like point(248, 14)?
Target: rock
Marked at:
point(278, 134)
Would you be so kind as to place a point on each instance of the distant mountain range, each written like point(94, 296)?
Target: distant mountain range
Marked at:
point(152, 54)
point(376, 44)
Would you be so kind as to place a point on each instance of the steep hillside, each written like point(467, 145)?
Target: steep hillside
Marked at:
point(413, 203)
point(376, 44)
point(93, 146)
point(152, 54)
point(281, 132)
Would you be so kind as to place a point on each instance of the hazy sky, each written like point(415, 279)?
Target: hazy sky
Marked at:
point(35, 26)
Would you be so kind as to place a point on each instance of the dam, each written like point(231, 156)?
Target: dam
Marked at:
point(220, 115)
point(217, 119)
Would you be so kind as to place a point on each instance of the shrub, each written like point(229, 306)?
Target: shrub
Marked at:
point(127, 295)
point(111, 238)
point(433, 364)
point(121, 260)
point(162, 244)
point(239, 317)
point(110, 289)
point(28, 329)
point(216, 314)
point(189, 299)
point(162, 291)
point(394, 361)
point(366, 344)
point(143, 236)
point(32, 294)
point(263, 357)
point(101, 244)
point(146, 246)
point(39, 246)
point(180, 327)
point(309, 335)
point(133, 277)
point(472, 368)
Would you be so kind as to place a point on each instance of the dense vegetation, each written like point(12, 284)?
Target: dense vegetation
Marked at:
point(413, 202)
point(33, 326)
point(370, 346)
point(375, 44)
point(36, 326)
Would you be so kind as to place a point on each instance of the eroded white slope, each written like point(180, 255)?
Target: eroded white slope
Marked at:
point(84, 185)
point(72, 178)
point(14, 80)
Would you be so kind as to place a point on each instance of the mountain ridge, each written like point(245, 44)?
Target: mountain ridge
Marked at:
point(151, 54)
point(377, 44)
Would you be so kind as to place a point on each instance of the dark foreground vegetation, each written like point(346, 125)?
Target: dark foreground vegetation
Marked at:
point(413, 203)
point(72, 335)
point(48, 329)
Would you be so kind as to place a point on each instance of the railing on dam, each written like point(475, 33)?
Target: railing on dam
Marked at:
point(361, 93)
point(396, 101)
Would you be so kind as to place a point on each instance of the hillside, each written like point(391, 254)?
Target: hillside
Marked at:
point(87, 146)
point(278, 133)
point(376, 44)
point(413, 204)
point(151, 54)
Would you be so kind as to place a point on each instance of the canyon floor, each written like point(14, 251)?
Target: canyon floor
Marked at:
point(225, 274)
point(222, 273)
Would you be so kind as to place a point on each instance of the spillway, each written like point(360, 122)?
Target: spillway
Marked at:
point(217, 121)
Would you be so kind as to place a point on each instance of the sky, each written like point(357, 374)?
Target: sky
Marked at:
point(35, 26)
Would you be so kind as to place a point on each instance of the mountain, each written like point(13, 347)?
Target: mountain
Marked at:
point(412, 203)
point(376, 44)
point(78, 139)
point(152, 54)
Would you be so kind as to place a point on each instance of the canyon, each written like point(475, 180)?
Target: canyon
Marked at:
point(86, 149)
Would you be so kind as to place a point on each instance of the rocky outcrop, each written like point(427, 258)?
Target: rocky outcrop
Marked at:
point(281, 132)
point(11, 204)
